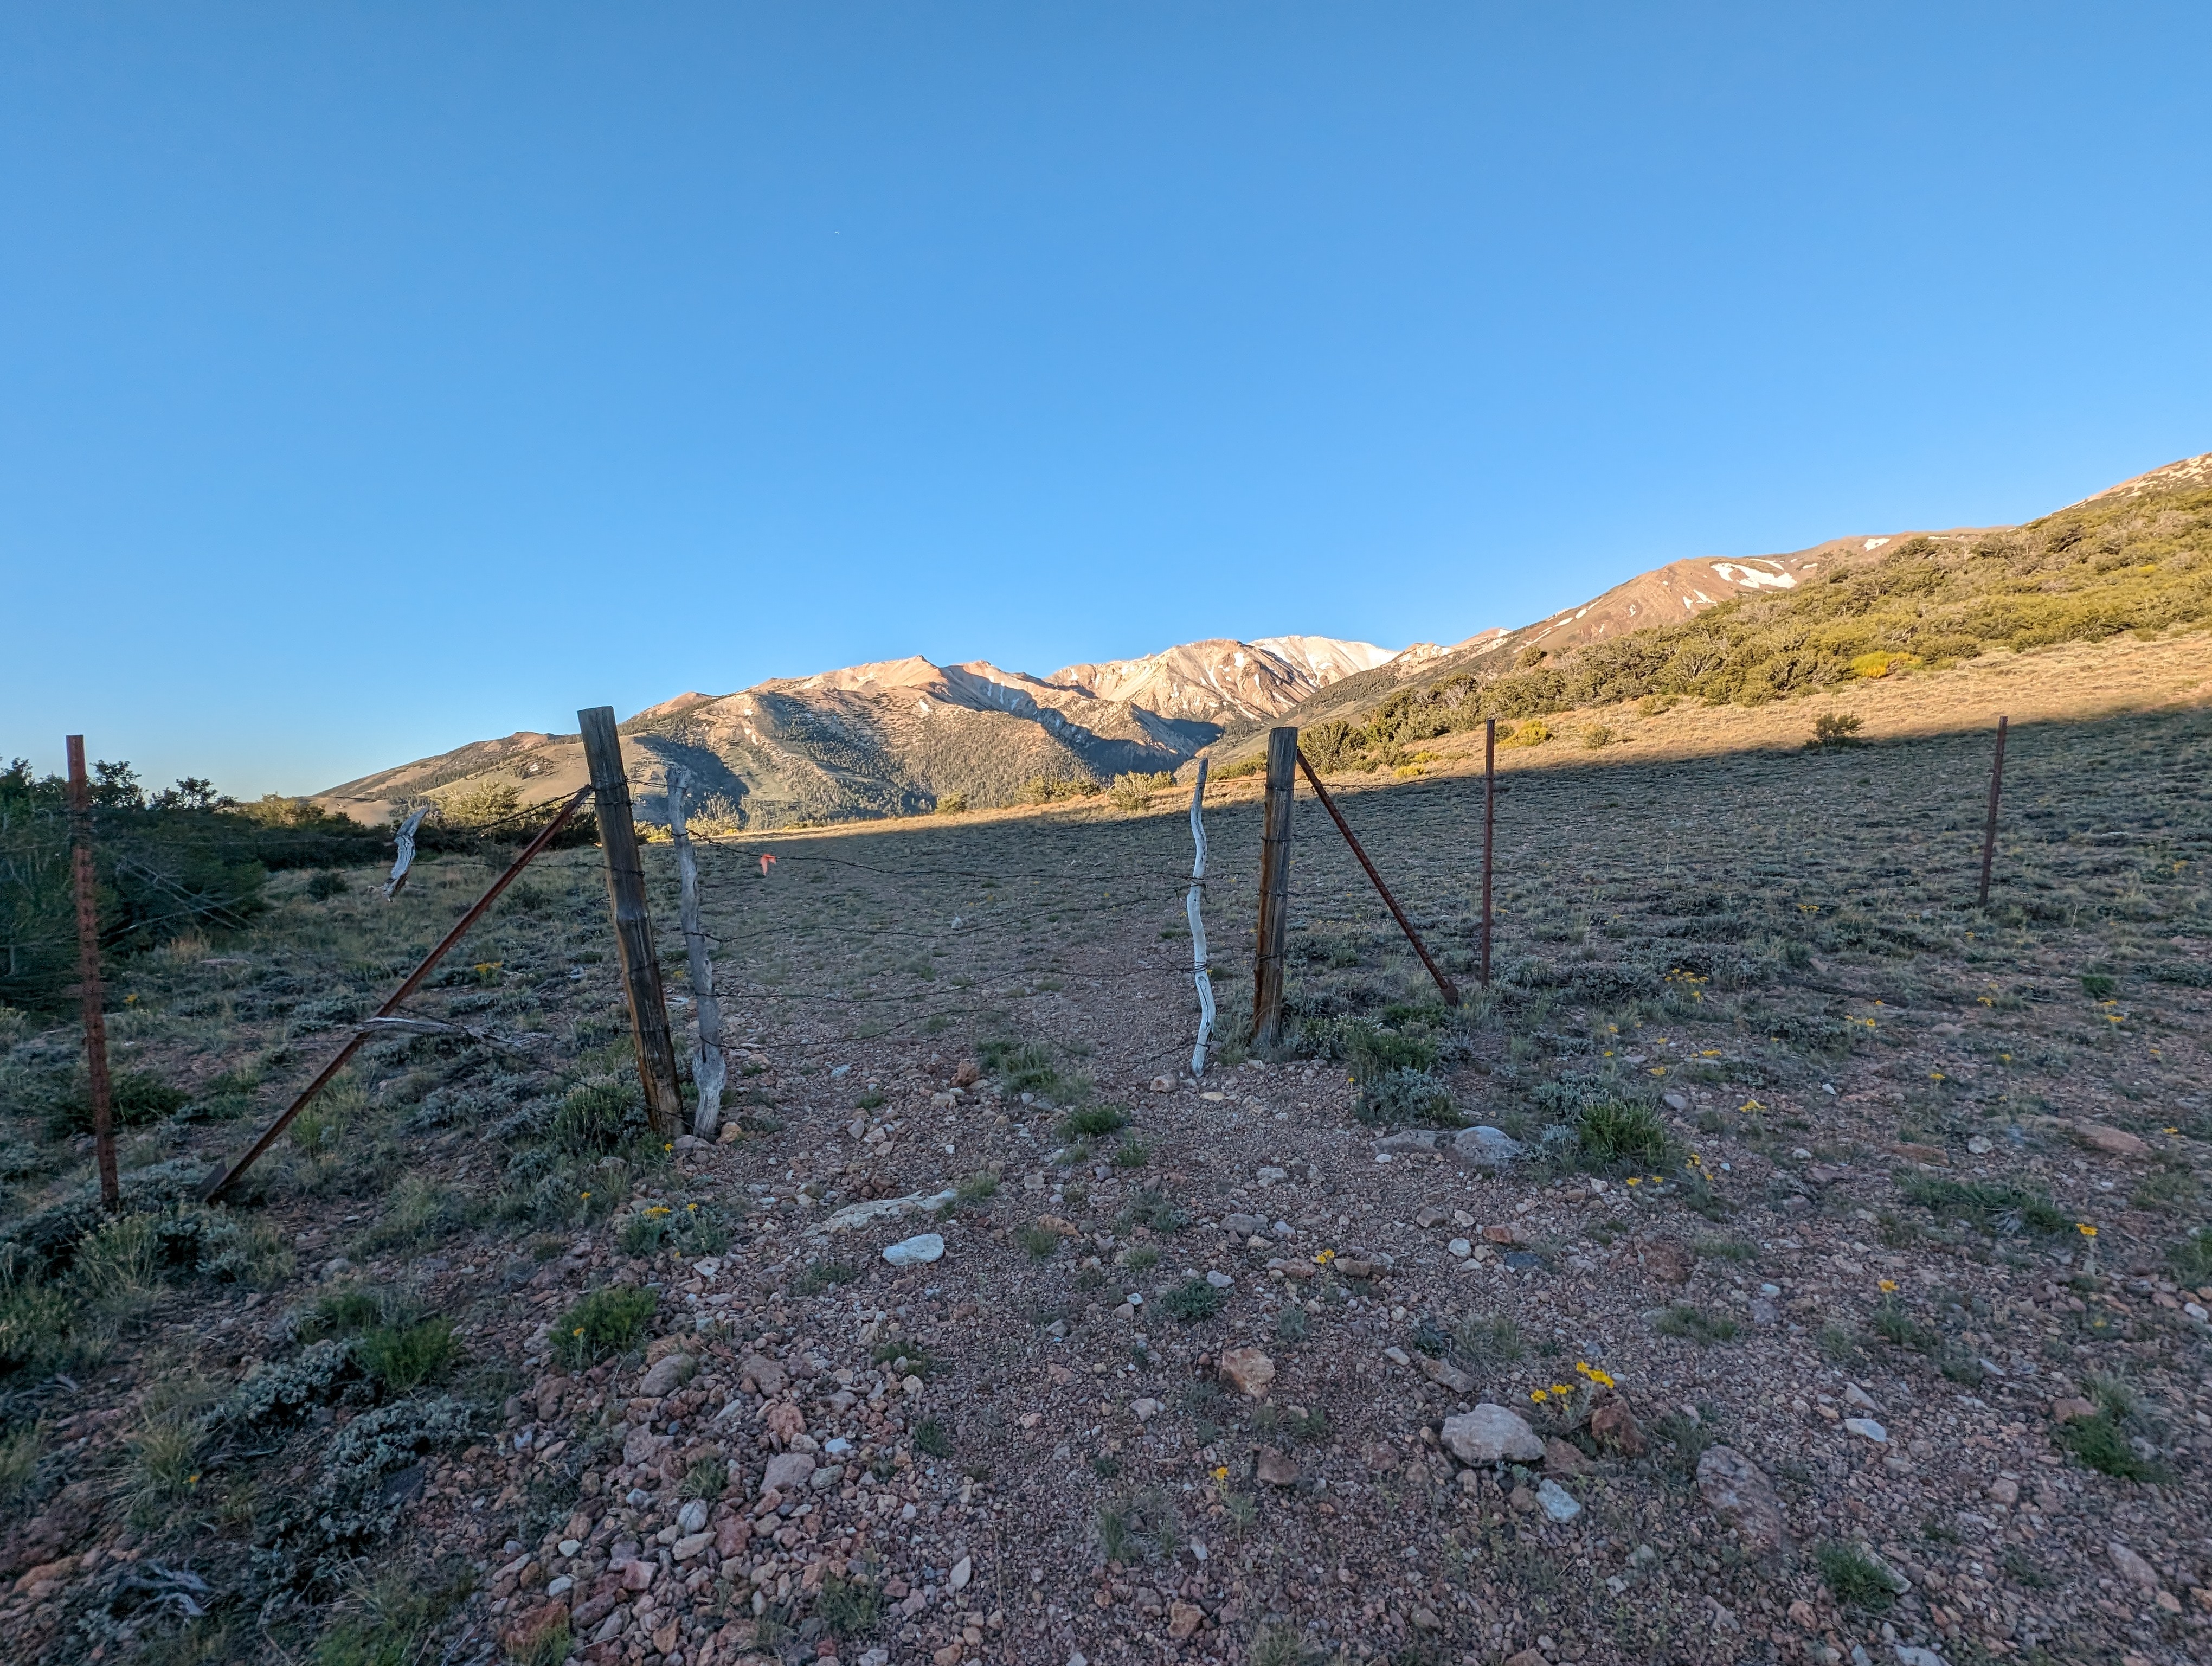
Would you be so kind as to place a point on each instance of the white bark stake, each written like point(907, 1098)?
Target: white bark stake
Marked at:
point(405, 840)
point(709, 1071)
point(1198, 974)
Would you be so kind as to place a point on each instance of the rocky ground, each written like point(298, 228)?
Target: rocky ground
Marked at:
point(1824, 1286)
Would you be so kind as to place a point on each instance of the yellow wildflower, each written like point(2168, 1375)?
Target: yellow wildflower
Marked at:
point(1887, 1285)
point(2085, 1230)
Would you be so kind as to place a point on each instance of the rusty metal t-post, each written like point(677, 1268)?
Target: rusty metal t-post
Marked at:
point(87, 948)
point(1275, 887)
point(1989, 830)
point(634, 945)
point(1445, 987)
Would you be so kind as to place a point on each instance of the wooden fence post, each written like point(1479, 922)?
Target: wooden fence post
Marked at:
point(709, 1069)
point(1989, 830)
point(1489, 830)
point(1275, 887)
point(634, 947)
point(87, 949)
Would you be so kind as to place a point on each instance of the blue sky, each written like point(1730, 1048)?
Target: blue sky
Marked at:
point(378, 377)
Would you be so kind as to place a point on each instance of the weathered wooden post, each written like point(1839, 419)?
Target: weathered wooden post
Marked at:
point(1989, 830)
point(1275, 887)
point(1489, 830)
point(634, 947)
point(87, 949)
point(709, 1069)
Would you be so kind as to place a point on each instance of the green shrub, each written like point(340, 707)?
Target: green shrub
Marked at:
point(601, 1118)
point(2103, 1444)
point(607, 1320)
point(2191, 1257)
point(850, 1608)
point(404, 1358)
point(1131, 1154)
point(1192, 1300)
point(1134, 793)
point(1694, 1324)
point(1616, 1134)
point(1993, 1207)
point(1389, 1097)
point(933, 1440)
point(1832, 730)
point(1853, 1577)
point(821, 1275)
point(1093, 1123)
point(1042, 1242)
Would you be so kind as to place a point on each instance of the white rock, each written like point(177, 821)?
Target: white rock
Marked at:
point(1461, 1247)
point(1145, 1410)
point(1559, 1504)
point(1492, 1434)
point(914, 1251)
point(2132, 1567)
point(1867, 1429)
point(861, 1215)
point(692, 1517)
point(962, 1570)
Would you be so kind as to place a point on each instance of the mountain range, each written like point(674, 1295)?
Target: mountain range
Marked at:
point(903, 737)
point(899, 737)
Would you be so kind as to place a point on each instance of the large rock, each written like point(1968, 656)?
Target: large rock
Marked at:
point(762, 1372)
point(886, 1208)
point(1741, 1495)
point(1248, 1371)
point(1615, 1427)
point(922, 1248)
point(672, 1373)
point(1275, 1469)
point(2113, 1142)
point(1484, 1147)
point(787, 1473)
point(1492, 1434)
point(2132, 1567)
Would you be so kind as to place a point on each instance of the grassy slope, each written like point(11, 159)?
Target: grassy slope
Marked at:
point(2084, 574)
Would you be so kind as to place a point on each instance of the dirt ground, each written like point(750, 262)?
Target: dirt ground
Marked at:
point(1843, 1291)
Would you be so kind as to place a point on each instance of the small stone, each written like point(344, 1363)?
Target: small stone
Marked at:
point(691, 1544)
point(1866, 1429)
point(1459, 1247)
point(962, 1570)
point(1741, 1495)
point(1184, 1619)
point(2005, 1491)
point(1442, 1375)
point(1275, 1469)
point(1245, 1226)
point(1855, 1395)
point(1248, 1371)
point(1145, 1410)
point(1162, 1085)
point(2066, 1411)
point(922, 1248)
point(1981, 1145)
point(692, 1517)
point(1564, 1457)
point(1675, 1101)
point(1397, 1356)
point(1528, 1657)
point(2132, 1567)
point(1557, 1502)
point(1492, 1434)
point(1219, 1281)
